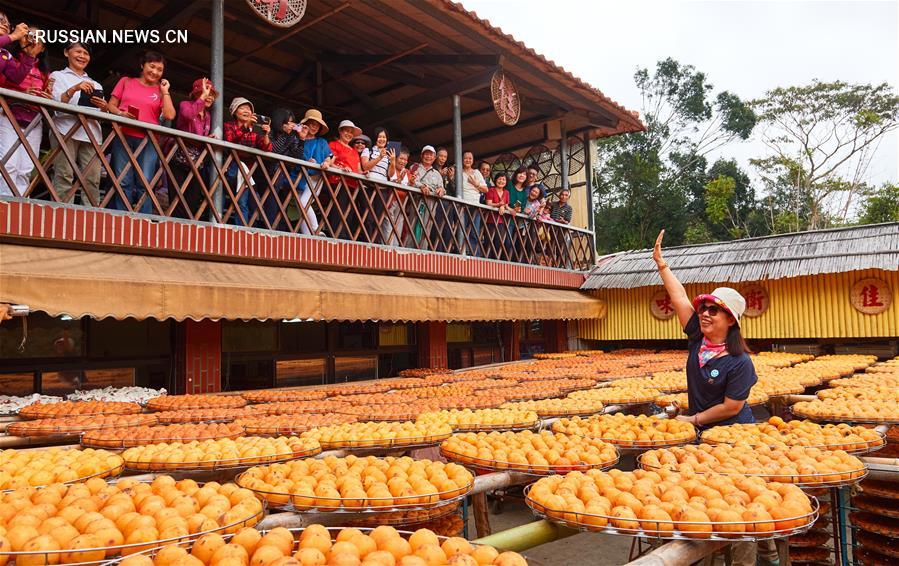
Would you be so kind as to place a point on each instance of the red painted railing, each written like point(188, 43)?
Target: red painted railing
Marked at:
point(204, 179)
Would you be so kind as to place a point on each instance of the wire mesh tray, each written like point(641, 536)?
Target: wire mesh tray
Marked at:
point(634, 444)
point(879, 506)
point(291, 407)
point(800, 480)
point(56, 427)
point(667, 529)
point(214, 465)
point(810, 539)
point(884, 526)
point(205, 415)
point(103, 555)
point(119, 443)
point(277, 396)
point(33, 411)
point(404, 518)
point(113, 472)
point(270, 425)
point(301, 503)
point(386, 443)
point(860, 447)
point(560, 414)
point(624, 400)
point(878, 543)
point(513, 427)
point(481, 464)
point(879, 488)
point(179, 403)
point(843, 418)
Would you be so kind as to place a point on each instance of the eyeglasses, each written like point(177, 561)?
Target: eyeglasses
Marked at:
point(358, 142)
point(713, 310)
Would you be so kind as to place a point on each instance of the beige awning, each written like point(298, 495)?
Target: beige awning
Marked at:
point(102, 284)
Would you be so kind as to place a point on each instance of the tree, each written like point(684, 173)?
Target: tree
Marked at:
point(880, 205)
point(821, 138)
point(647, 181)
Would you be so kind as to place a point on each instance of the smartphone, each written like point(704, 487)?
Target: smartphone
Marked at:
point(134, 111)
point(395, 146)
point(85, 99)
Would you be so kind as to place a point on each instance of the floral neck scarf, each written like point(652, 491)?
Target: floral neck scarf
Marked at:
point(708, 351)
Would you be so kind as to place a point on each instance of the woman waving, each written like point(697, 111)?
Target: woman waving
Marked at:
point(719, 370)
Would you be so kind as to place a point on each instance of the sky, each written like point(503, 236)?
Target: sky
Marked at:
point(745, 47)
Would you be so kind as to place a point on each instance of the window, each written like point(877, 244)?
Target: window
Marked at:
point(129, 338)
point(396, 334)
point(389, 365)
point(303, 337)
point(485, 333)
point(291, 373)
point(47, 337)
point(250, 374)
point(458, 332)
point(355, 368)
point(357, 335)
point(17, 384)
point(249, 336)
point(68, 381)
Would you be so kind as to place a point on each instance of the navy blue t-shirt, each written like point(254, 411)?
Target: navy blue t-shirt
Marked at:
point(724, 376)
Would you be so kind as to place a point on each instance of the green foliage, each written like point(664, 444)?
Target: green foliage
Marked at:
point(821, 138)
point(719, 194)
point(880, 205)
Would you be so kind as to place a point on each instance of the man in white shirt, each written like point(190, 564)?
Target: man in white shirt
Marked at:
point(70, 85)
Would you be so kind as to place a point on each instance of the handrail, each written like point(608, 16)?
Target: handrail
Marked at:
point(269, 191)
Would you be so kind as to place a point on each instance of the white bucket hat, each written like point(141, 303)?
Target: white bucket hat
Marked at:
point(729, 299)
point(237, 103)
point(349, 124)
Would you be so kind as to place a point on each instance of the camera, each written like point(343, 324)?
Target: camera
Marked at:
point(263, 120)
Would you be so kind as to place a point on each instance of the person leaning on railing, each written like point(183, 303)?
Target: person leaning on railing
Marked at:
point(145, 98)
point(24, 71)
point(474, 188)
point(427, 178)
point(375, 164)
point(496, 226)
point(315, 150)
point(194, 117)
point(288, 139)
point(241, 131)
point(72, 85)
point(396, 234)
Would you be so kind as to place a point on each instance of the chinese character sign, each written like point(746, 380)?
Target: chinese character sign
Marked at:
point(660, 306)
point(871, 296)
point(756, 300)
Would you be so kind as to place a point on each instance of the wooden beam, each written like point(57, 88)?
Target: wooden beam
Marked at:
point(171, 15)
point(295, 30)
point(363, 70)
point(464, 86)
point(506, 129)
point(526, 145)
point(453, 59)
point(449, 121)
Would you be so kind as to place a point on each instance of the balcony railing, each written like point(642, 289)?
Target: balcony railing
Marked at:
point(205, 179)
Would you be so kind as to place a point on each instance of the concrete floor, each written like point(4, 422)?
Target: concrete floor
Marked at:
point(579, 550)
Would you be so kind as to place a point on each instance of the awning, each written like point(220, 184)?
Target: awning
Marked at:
point(103, 284)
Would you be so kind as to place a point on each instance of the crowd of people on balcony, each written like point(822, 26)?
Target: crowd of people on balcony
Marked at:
point(395, 218)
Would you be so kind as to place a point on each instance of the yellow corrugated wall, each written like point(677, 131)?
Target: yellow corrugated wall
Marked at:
point(815, 306)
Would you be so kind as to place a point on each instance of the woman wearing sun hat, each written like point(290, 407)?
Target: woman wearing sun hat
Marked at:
point(315, 150)
point(719, 370)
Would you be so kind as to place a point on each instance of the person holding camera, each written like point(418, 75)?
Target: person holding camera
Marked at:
point(242, 130)
point(24, 71)
point(72, 85)
point(145, 98)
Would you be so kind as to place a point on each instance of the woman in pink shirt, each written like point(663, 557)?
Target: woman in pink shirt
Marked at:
point(143, 98)
point(193, 117)
point(23, 70)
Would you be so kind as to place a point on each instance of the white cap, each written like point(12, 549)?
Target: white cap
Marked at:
point(428, 148)
point(726, 297)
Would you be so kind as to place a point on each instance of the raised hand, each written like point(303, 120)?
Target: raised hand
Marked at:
point(657, 250)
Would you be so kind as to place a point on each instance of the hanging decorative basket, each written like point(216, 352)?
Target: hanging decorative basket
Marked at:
point(279, 13)
point(506, 102)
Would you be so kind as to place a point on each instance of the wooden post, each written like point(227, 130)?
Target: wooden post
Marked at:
point(199, 356)
point(432, 344)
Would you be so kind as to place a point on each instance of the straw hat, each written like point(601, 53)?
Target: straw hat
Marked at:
point(315, 115)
